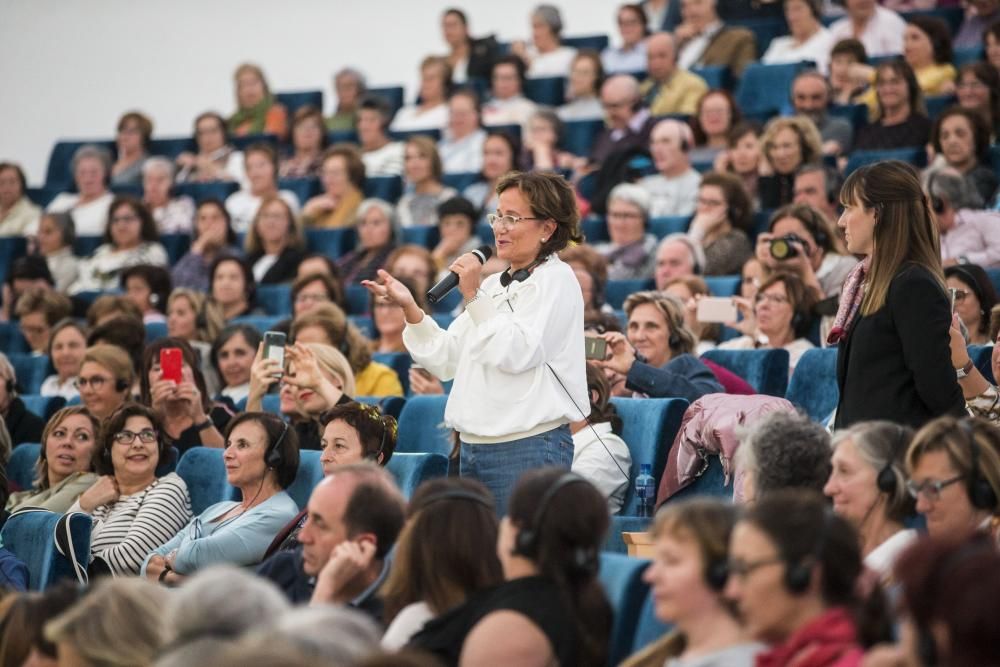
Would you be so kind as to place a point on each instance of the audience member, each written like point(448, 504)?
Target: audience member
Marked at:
point(213, 236)
point(968, 235)
point(377, 237)
point(656, 358)
point(173, 215)
point(548, 546)
point(125, 332)
point(591, 271)
point(216, 159)
point(500, 151)
point(808, 40)
point(106, 379)
point(879, 30)
point(348, 87)
point(962, 139)
point(978, 90)
point(819, 186)
point(38, 310)
point(586, 74)
point(21, 425)
point(901, 119)
point(342, 174)
point(197, 319)
point(597, 438)
point(66, 348)
point(630, 252)
point(705, 41)
point(308, 143)
point(628, 124)
point(507, 104)
point(131, 148)
point(275, 242)
point(134, 511)
point(312, 289)
point(414, 263)
point(422, 173)
point(65, 462)
point(18, 215)
point(257, 111)
point(979, 17)
point(714, 119)
point(430, 112)
point(811, 98)
point(232, 355)
point(723, 217)
point(991, 42)
point(687, 577)
point(674, 188)
point(868, 488)
point(457, 231)
point(231, 285)
point(381, 155)
point(689, 290)
point(388, 320)
point(90, 204)
point(954, 470)
point(109, 306)
point(743, 157)
point(927, 50)
point(148, 287)
point(546, 55)
point(461, 148)
point(55, 237)
point(469, 57)
point(661, 14)
point(631, 55)
point(974, 299)
point(262, 183)
point(262, 458)
point(446, 552)
point(669, 89)
point(541, 142)
point(677, 257)
point(751, 276)
point(787, 144)
point(848, 71)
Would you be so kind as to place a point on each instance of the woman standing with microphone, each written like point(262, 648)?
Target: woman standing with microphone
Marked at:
point(891, 328)
point(519, 379)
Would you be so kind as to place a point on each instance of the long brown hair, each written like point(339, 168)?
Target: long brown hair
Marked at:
point(905, 229)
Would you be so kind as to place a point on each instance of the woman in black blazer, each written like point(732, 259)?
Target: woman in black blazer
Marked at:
point(275, 243)
point(894, 359)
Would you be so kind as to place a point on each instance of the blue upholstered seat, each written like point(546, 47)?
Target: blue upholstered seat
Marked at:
point(723, 285)
point(30, 536)
point(915, 155)
point(330, 242)
point(616, 291)
point(421, 426)
point(21, 467)
point(43, 406)
point(31, 371)
point(208, 190)
point(813, 385)
point(204, 472)
point(389, 188)
point(296, 99)
point(765, 370)
point(276, 300)
point(712, 482)
point(621, 578)
point(648, 628)
point(155, 330)
point(310, 474)
point(547, 91)
point(399, 362)
point(389, 405)
point(764, 88)
point(261, 323)
point(411, 469)
point(666, 225)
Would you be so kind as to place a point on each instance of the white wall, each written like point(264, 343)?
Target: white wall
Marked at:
point(69, 68)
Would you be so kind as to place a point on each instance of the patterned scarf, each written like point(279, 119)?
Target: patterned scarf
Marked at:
point(255, 115)
point(851, 296)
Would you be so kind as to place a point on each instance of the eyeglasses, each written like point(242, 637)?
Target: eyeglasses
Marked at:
point(95, 382)
point(930, 489)
point(704, 201)
point(124, 218)
point(311, 298)
point(961, 294)
point(776, 299)
point(743, 569)
point(506, 222)
point(146, 435)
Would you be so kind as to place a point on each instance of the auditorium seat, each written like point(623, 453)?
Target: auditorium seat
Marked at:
point(391, 94)
point(296, 99)
point(936, 104)
point(331, 242)
point(764, 88)
point(594, 229)
point(723, 285)
point(155, 330)
point(248, 140)
point(204, 472)
point(84, 246)
point(389, 405)
point(855, 114)
point(546, 91)
point(579, 135)
point(207, 190)
point(176, 245)
point(443, 320)
point(952, 15)
point(510, 130)
point(616, 291)
point(261, 323)
point(448, 303)
point(595, 42)
point(276, 300)
point(813, 385)
point(310, 473)
point(421, 426)
point(21, 466)
point(30, 535)
point(43, 406)
point(915, 155)
point(41, 196)
point(648, 628)
point(388, 188)
point(272, 403)
point(342, 137)
point(621, 577)
point(666, 225)
point(11, 339)
point(649, 428)
point(304, 188)
point(764, 29)
point(399, 362)
point(765, 370)
point(358, 300)
point(716, 76)
point(411, 469)
point(59, 174)
point(171, 147)
point(31, 370)
point(425, 236)
point(462, 180)
point(403, 135)
point(981, 356)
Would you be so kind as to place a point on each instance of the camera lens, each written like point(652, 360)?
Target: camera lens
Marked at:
point(782, 248)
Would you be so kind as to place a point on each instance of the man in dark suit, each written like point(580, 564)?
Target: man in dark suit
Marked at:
point(628, 123)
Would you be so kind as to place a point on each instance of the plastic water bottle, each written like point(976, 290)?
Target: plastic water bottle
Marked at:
point(645, 489)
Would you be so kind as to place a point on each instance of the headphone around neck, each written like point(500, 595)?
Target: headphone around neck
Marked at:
point(527, 542)
point(506, 278)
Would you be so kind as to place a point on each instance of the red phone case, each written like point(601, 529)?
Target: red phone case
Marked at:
point(170, 364)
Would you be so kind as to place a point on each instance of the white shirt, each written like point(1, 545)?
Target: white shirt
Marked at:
point(975, 236)
point(90, 219)
point(242, 207)
point(592, 461)
point(412, 118)
point(619, 59)
point(786, 50)
point(882, 35)
point(52, 387)
point(553, 63)
point(385, 161)
point(408, 622)
point(263, 265)
point(237, 393)
point(505, 353)
point(672, 196)
point(691, 52)
point(462, 155)
point(883, 557)
point(588, 108)
point(511, 111)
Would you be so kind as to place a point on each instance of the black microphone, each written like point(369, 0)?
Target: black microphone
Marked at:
point(450, 281)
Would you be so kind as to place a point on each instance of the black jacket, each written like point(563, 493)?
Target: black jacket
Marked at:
point(896, 363)
point(22, 425)
point(283, 270)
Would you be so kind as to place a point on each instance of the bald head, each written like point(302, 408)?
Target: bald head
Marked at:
point(661, 56)
point(619, 96)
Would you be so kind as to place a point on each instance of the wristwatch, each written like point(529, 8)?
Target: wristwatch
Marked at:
point(964, 370)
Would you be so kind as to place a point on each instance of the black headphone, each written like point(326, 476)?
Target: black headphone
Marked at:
point(454, 494)
point(673, 341)
point(981, 493)
point(274, 456)
point(937, 204)
point(798, 575)
point(717, 574)
point(506, 278)
point(121, 385)
point(886, 480)
point(526, 544)
point(374, 456)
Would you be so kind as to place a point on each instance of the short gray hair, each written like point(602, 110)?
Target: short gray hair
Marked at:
point(881, 444)
point(947, 184)
point(387, 209)
point(99, 153)
point(337, 634)
point(784, 450)
point(550, 16)
point(630, 193)
point(158, 162)
point(694, 248)
point(356, 75)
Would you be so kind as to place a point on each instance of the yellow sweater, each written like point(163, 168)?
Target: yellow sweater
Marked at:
point(378, 380)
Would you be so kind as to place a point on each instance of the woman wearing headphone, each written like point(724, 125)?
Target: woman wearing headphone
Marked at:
point(868, 488)
point(954, 467)
point(686, 578)
point(519, 380)
point(133, 511)
point(105, 380)
point(974, 299)
point(892, 325)
point(262, 458)
point(551, 608)
point(793, 570)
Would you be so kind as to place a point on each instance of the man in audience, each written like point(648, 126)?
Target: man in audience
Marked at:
point(628, 123)
point(25, 273)
point(38, 310)
point(382, 156)
point(879, 29)
point(968, 235)
point(979, 15)
point(507, 104)
point(811, 98)
point(704, 40)
point(674, 188)
point(668, 89)
point(353, 519)
point(783, 450)
point(819, 186)
point(677, 256)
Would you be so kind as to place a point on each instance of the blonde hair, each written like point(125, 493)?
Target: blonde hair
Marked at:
point(341, 332)
point(114, 359)
point(810, 141)
point(673, 313)
point(332, 361)
point(295, 237)
point(209, 319)
point(961, 440)
point(256, 71)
